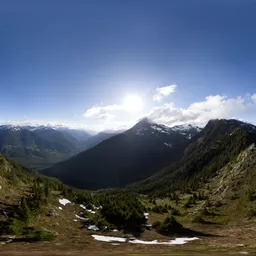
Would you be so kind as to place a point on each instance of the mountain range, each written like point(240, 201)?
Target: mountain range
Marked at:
point(125, 158)
point(216, 146)
point(149, 157)
point(38, 147)
point(206, 189)
point(208, 184)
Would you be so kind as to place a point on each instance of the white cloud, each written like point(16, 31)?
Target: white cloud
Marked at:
point(163, 92)
point(106, 116)
point(98, 111)
point(123, 115)
point(199, 113)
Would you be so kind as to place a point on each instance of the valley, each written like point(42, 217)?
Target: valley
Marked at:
point(128, 127)
point(207, 194)
point(39, 147)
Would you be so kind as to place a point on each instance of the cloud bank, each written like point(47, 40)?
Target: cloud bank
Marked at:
point(160, 110)
point(199, 113)
point(163, 92)
point(164, 112)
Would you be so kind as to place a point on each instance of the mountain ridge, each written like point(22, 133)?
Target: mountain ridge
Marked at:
point(219, 143)
point(37, 147)
point(127, 156)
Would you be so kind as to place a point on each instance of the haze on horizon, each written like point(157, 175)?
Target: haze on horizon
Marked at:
point(105, 64)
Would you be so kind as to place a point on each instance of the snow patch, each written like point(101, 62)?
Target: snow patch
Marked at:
point(91, 211)
point(162, 129)
point(171, 242)
point(169, 145)
point(60, 208)
point(137, 241)
point(64, 201)
point(81, 218)
point(93, 227)
point(109, 238)
point(147, 225)
point(88, 210)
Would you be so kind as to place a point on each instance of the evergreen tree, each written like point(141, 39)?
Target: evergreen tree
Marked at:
point(26, 213)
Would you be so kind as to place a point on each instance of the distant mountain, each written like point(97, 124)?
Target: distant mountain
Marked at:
point(127, 157)
point(216, 146)
point(40, 146)
point(96, 139)
point(187, 130)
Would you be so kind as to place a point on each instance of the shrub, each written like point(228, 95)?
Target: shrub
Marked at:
point(169, 226)
point(198, 219)
point(160, 209)
point(251, 213)
point(156, 224)
point(41, 236)
point(218, 204)
point(175, 211)
point(207, 203)
point(16, 227)
point(250, 195)
point(205, 212)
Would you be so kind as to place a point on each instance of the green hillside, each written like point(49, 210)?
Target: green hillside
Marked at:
point(40, 147)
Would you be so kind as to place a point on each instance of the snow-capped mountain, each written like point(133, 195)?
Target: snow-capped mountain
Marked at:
point(146, 127)
point(40, 146)
point(125, 158)
point(187, 130)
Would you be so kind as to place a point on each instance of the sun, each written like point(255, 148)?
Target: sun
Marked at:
point(133, 103)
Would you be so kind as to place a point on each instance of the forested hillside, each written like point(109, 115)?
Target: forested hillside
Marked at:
point(125, 158)
point(41, 146)
point(218, 145)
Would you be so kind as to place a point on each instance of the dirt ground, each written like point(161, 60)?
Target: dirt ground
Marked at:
point(231, 240)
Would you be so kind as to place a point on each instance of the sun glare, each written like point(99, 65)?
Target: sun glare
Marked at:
point(133, 102)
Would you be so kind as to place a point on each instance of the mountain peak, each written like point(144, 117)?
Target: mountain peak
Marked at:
point(145, 120)
point(231, 123)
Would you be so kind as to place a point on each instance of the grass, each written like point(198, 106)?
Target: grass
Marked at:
point(226, 219)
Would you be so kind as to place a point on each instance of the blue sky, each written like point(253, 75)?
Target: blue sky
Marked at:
point(61, 60)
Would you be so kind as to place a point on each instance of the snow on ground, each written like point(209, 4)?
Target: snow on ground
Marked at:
point(189, 137)
point(168, 144)
point(109, 238)
point(64, 201)
point(175, 241)
point(137, 241)
point(162, 129)
point(81, 218)
point(88, 210)
point(146, 214)
point(97, 208)
point(147, 225)
point(60, 208)
point(93, 227)
point(91, 211)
